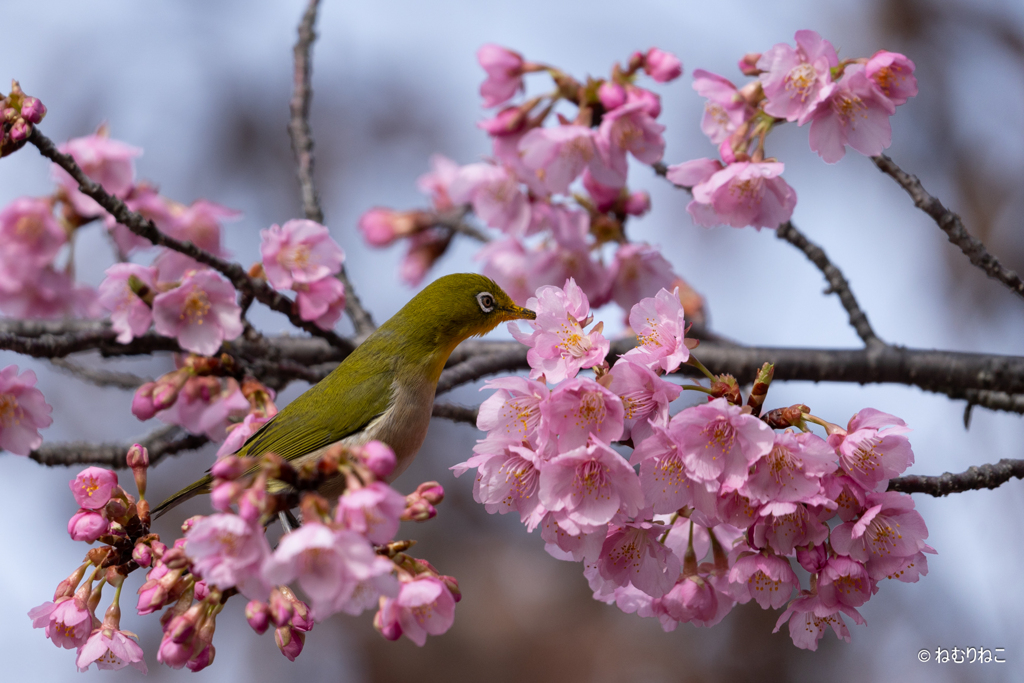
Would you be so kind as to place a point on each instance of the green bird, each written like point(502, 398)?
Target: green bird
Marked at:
point(385, 389)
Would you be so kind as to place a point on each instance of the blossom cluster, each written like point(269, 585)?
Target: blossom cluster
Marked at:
point(23, 411)
point(18, 113)
point(682, 516)
point(847, 103)
point(556, 194)
point(343, 558)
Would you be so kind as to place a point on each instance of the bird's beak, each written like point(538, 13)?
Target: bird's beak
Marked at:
point(518, 312)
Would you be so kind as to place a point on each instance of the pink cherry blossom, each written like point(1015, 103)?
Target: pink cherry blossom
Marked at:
point(206, 405)
point(93, 487)
point(693, 599)
point(632, 554)
point(630, 128)
point(509, 121)
point(130, 316)
point(856, 113)
point(645, 398)
point(67, 622)
point(46, 293)
point(843, 581)
point(300, 251)
point(557, 155)
point(240, 432)
point(201, 312)
point(327, 564)
point(513, 413)
point(321, 301)
point(662, 66)
point(809, 618)
point(381, 227)
point(227, 551)
point(649, 102)
point(23, 411)
point(495, 195)
point(111, 648)
point(504, 75)
point(691, 173)
point(725, 111)
point(436, 182)
point(424, 606)
point(506, 262)
point(580, 409)
point(888, 531)
point(558, 346)
point(507, 479)
point(874, 450)
point(373, 511)
point(604, 197)
point(639, 271)
point(792, 470)
point(200, 224)
point(893, 73)
point(784, 526)
point(847, 494)
point(378, 458)
point(795, 81)
point(566, 540)
point(591, 483)
point(769, 578)
point(552, 263)
point(108, 162)
point(740, 194)
point(663, 479)
point(612, 95)
point(661, 332)
point(29, 232)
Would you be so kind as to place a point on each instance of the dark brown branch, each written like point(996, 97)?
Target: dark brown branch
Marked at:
point(974, 479)
point(952, 225)
point(146, 228)
point(101, 377)
point(160, 443)
point(302, 146)
point(837, 284)
point(455, 413)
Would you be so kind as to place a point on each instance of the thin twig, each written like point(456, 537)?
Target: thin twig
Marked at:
point(455, 413)
point(836, 282)
point(455, 221)
point(160, 443)
point(952, 225)
point(101, 377)
point(146, 228)
point(974, 479)
point(302, 146)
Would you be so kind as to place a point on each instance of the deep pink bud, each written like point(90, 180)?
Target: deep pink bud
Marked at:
point(20, 130)
point(32, 110)
point(612, 95)
point(418, 510)
point(230, 467)
point(748, 64)
point(379, 458)
point(202, 660)
point(142, 405)
point(290, 641)
point(87, 526)
point(662, 66)
point(280, 608)
point(142, 554)
point(638, 203)
point(138, 456)
point(381, 227)
point(430, 491)
point(258, 615)
point(201, 590)
point(389, 628)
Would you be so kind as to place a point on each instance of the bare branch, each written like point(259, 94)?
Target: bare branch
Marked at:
point(146, 228)
point(974, 479)
point(302, 145)
point(448, 411)
point(101, 377)
point(836, 282)
point(952, 225)
point(160, 443)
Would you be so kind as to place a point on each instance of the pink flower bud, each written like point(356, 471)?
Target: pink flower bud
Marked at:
point(167, 388)
point(115, 509)
point(93, 487)
point(290, 641)
point(812, 559)
point(224, 494)
point(138, 457)
point(430, 491)
point(612, 95)
point(453, 586)
point(258, 616)
point(142, 554)
point(387, 625)
point(142, 404)
point(418, 510)
point(379, 458)
point(174, 655)
point(381, 227)
point(302, 619)
point(638, 203)
point(87, 526)
point(32, 110)
point(201, 590)
point(508, 121)
point(662, 66)
point(230, 467)
point(20, 130)
point(748, 64)
point(280, 607)
point(10, 114)
point(202, 660)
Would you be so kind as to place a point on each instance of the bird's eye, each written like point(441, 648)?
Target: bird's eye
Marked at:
point(486, 301)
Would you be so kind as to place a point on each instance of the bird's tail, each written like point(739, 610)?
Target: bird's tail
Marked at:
point(194, 489)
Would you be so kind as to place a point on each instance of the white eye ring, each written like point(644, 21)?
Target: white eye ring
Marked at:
point(486, 301)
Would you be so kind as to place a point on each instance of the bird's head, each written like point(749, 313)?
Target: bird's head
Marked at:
point(456, 307)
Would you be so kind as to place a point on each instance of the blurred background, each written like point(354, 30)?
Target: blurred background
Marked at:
point(203, 88)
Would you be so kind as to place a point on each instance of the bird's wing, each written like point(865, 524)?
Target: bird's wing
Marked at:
point(314, 420)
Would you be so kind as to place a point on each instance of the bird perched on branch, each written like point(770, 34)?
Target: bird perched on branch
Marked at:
point(385, 389)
